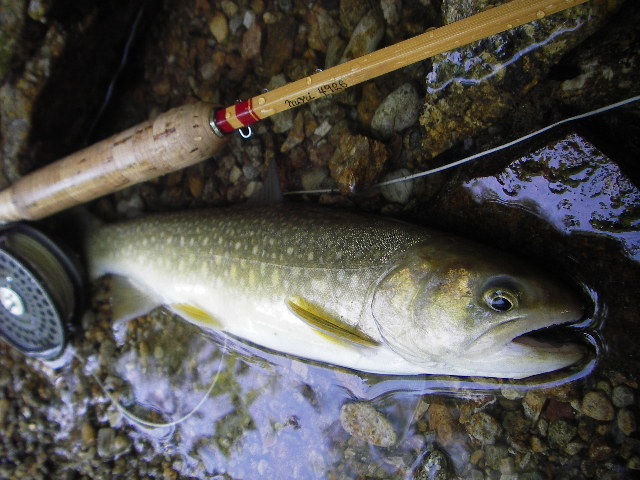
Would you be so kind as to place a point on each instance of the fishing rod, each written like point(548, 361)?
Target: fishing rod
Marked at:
point(40, 285)
point(192, 133)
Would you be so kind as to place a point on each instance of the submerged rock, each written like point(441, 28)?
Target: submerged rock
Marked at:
point(472, 87)
point(363, 421)
point(574, 186)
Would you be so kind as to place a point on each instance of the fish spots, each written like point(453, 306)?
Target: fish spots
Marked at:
point(310, 256)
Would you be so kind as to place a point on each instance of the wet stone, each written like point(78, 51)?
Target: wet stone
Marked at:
point(356, 162)
point(622, 396)
point(494, 455)
point(366, 36)
point(436, 466)
point(397, 192)
point(533, 404)
point(445, 425)
point(483, 427)
point(517, 427)
point(472, 87)
point(219, 27)
point(597, 406)
point(88, 434)
point(626, 421)
point(364, 422)
point(398, 111)
point(600, 450)
point(560, 433)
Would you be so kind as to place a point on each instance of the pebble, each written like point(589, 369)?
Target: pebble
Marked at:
point(596, 405)
point(219, 27)
point(391, 10)
point(251, 42)
point(626, 421)
point(560, 433)
point(533, 404)
point(88, 434)
point(363, 421)
point(356, 162)
point(397, 192)
point(4, 409)
point(435, 467)
point(600, 450)
point(398, 111)
point(622, 396)
point(445, 425)
point(366, 36)
point(483, 427)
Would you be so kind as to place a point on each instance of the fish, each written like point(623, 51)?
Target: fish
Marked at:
point(367, 293)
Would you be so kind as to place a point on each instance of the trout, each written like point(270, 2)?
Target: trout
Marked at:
point(367, 293)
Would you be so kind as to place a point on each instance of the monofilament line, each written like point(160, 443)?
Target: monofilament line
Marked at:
point(485, 152)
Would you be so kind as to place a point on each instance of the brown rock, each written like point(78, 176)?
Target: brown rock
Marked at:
point(626, 421)
point(597, 406)
point(363, 421)
point(483, 427)
point(448, 429)
point(356, 162)
point(600, 450)
point(252, 42)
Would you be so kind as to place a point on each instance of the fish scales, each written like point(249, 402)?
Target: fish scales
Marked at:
point(248, 268)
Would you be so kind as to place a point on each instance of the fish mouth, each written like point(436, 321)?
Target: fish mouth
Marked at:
point(519, 354)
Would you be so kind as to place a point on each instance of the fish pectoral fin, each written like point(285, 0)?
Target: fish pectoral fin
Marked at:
point(327, 326)
point(129, 301)
point(195, 315)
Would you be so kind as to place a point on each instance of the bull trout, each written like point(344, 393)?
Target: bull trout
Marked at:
point(366, 293)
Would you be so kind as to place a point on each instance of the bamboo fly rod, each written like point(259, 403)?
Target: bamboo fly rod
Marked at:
point(192, 133)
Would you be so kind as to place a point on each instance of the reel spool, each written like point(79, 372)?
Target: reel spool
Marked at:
point(40, 292)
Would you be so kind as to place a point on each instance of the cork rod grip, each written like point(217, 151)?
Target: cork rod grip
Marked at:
point(174, 140)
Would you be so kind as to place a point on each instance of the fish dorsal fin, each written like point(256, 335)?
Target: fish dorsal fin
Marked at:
point(270, 192)
point(129, 301)
point(195, 315)
point(328, 326)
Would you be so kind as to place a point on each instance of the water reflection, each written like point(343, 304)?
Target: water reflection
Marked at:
point(272, 416)
point(573, 186)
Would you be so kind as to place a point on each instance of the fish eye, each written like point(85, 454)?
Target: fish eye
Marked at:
point(500, 300)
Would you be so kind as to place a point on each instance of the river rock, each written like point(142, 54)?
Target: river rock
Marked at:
point(436, 466)
point(560, 433)
point(398, 111)
point(597, 76)
point(357, 161)
point(219, 27)
point(365, 37)
point(622, 396)
point(471, 87)
point(363, 421)
point(483, 427)
point(597, 406)
point(626, 421)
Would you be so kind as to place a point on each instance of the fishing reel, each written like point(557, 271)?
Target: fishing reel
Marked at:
point(41, 291)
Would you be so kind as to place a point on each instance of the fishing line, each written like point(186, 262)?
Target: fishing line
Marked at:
point(146, 423)
point(483, 153)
